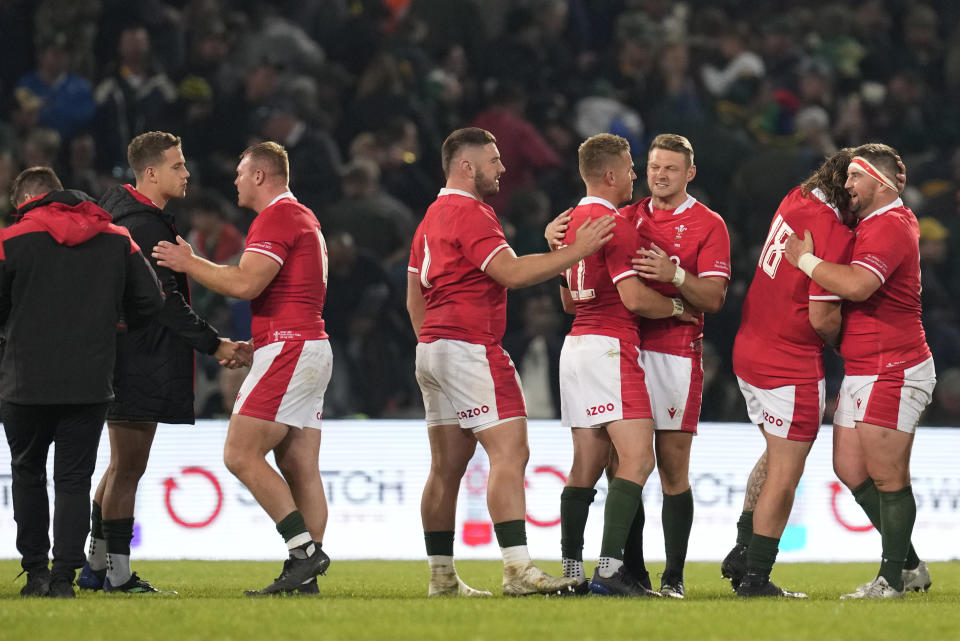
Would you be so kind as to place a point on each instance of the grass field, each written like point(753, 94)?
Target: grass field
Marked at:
point(384, 601)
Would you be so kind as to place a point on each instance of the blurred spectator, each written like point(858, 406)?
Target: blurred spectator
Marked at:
point(314, 157)
point(535, 350)
point(734, 78)
point(523, 150)
point(377, 222)
point(135, 97)
point(65, 102)
point(40, 148)
point(940, 319)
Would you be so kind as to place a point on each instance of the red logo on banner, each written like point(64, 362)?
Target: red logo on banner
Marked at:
point(546, 469)
point(170, 484)
point(835, 490)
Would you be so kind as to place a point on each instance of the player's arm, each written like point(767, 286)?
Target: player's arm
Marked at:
point(566, 300)
point(826, 319)
point(850, 282)
point(245, 280)
point(643, 301)
point(416, 306)
point(706, 294)
point(514, 272)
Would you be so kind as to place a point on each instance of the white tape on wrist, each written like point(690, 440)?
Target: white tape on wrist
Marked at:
point(679, 276)
point(677, 307)
point(808, 263)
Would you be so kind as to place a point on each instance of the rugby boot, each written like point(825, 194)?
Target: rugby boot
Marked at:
point(521, 578)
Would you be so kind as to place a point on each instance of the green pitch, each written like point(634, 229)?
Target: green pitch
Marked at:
point(384, 601)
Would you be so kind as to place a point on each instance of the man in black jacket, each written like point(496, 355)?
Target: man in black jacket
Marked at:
point(155, 364)
point(67, 278)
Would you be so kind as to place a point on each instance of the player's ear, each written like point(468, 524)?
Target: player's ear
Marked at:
point(691, 172)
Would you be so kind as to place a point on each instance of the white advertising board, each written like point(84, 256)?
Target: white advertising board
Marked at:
point(189, 506)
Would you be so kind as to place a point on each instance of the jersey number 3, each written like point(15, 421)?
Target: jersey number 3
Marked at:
point(773, 249)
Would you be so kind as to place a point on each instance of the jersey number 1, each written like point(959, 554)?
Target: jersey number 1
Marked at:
point(576, 275)
point(773, 249)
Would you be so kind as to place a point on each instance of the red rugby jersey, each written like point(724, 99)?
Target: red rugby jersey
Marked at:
point(776, 345)
point(695, 237)
point(290, 308)
point(453, 245)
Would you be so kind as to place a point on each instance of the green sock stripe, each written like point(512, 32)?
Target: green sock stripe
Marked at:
point(623, 499)
point(574, 511)
point(762, 554)
point(511, 533)
point(745, 528)
point(96, 520)
point(677, 518)
point(439, 543)
point(291, 525)
point(118, 533)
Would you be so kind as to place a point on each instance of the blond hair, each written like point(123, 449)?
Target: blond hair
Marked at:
point(674, 142)
point(270, 157)
point(596, 152)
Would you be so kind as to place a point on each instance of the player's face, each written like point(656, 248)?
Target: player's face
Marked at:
point(863, 190)
point(487, 169)
point(624, 177)
point(245, 183)
point(667, 173)
point(171, 173)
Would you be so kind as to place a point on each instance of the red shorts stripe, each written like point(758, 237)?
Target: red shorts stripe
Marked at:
point(265, 398)
point(505, 385)
point(633, 386)
point(883, 405)
point(805, 423)
point(691, 412)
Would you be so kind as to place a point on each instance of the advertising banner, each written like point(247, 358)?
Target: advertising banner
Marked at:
point(189, 506)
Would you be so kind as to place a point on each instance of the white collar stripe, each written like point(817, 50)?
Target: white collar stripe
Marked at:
point(458, 192)
point(594, 200)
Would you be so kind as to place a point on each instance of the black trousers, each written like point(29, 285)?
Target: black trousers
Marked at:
point(30, 429)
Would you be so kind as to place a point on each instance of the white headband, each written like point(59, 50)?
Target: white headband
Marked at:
point(872, 171)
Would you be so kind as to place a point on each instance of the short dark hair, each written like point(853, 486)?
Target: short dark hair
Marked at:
point(883, 157)
point(271, 157)
point(35, 181)
point(595, 153)
point(466, 137)
point(148, 148)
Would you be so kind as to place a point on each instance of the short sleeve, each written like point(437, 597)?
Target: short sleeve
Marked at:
point(416, 252)
point(881, 247)
point(269, 235)
point(619, 251)
point(480, 236)
point(713, 259)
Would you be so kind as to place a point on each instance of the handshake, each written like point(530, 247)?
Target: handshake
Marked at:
point(234, 354)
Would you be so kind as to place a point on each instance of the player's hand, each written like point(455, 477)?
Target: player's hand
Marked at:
point(557, 229)
point(795, 248)
point(228, 354)
point(593, 234)
point(901, 177)
point(654, 264)
point(176, 257)
point(690, 314)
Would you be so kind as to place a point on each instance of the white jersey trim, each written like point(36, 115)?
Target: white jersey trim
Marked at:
point(265, 253)
point(897, 203)
point(827, 298)
point(871, 268)
point(286, 194)
point(684, 206)
point(595, 200)
point(822, 197)
point(458, 192)
point(721, 274)
point(630, 272)
point(496, 251)
point(412, 270)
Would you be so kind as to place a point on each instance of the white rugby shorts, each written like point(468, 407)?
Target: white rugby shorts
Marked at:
point(601, 381)
point(675, 387)
point(792, 412)
point(475, 386)
point(893, 399)
point(287, 382)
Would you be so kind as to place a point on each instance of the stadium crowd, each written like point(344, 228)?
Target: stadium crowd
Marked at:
point(362, 92)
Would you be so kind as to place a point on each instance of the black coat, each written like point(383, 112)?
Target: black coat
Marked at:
point(67, 275)
point(155, 364)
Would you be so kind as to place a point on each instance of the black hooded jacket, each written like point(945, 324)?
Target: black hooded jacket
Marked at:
point(67, 278)
point(155, 364)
